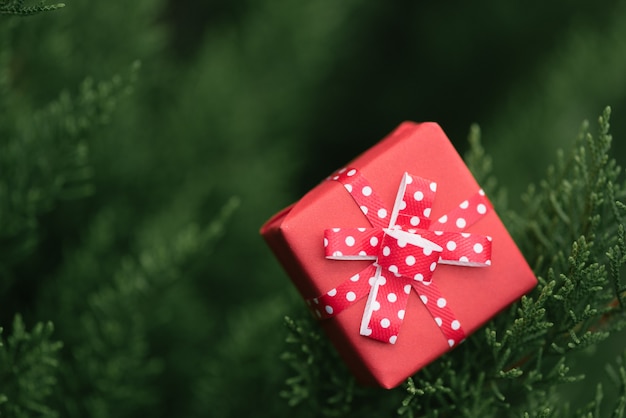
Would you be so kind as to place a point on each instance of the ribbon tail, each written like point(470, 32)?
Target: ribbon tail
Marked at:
point(343, 296)
point(437, 305)
point(385, 308)
point(462, 249)
point(352, 243)
point(364, 195)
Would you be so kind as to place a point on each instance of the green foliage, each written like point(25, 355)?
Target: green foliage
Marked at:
point(310, 360)
point(28, 370)
point(481, 165)
point(110, 369)
point(17, 7)
point(581, 74)
point(118, 222)
point(104, 285)
point(44, 158)
point(241, 359)
point(617, 374)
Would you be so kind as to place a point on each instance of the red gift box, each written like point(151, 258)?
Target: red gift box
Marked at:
point(447, 244)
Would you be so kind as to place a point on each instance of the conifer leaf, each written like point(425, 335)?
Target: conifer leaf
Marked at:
point(17, 7)
point(28, 370)
point(45, 159)
point(571, 309)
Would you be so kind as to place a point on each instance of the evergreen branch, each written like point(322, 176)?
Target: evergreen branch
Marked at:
point(17, 7)
point(620, 408)
point(577, 196)
point(617, 373)
point(6, 38)
point(593, 408)
point(542, 413)
point(334, 393)
point(478, 162)
point(568, 311)
point(617, 253)
point(28, 367)
point(480, 165)
point(431, 393)
point(111, 304)
point(45, 159)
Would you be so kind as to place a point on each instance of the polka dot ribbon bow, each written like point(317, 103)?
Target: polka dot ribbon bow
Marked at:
point(406, 247)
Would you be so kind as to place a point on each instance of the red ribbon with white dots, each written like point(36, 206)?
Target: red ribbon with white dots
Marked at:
point(406, 247)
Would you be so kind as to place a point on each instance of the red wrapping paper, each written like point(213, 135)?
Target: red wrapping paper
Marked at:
point(475, 295)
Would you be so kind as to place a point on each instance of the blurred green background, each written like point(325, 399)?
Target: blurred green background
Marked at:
point(259, 101)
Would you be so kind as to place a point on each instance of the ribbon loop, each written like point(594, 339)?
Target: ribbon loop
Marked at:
point(414, 202)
